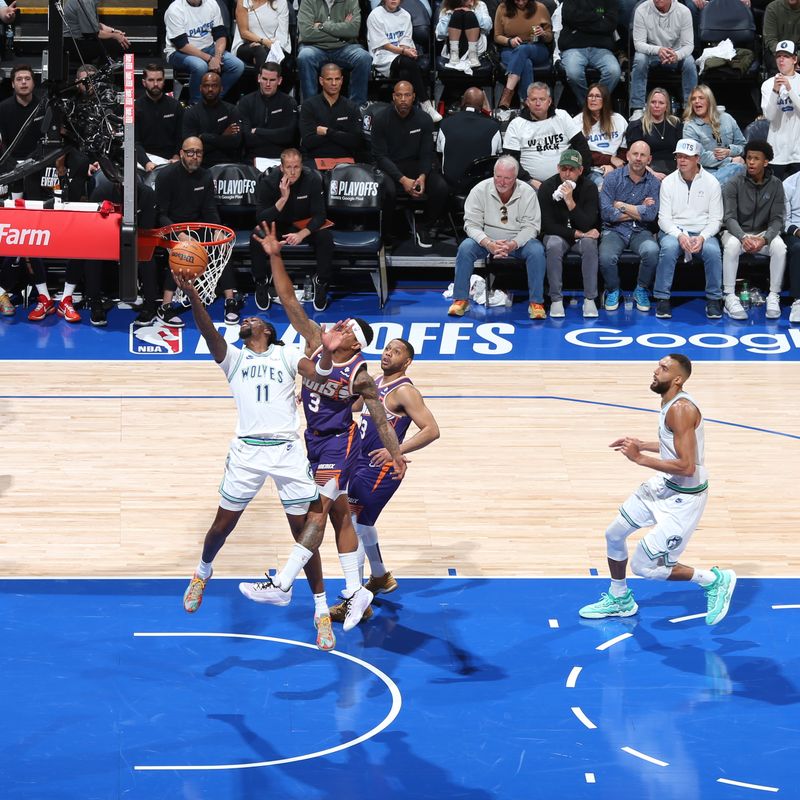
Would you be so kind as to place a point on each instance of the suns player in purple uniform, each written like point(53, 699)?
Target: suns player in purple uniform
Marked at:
point(332, 444)
point(262, 380)
point(373, 485)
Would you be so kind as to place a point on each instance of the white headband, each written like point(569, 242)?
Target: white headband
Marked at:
point(358, 333)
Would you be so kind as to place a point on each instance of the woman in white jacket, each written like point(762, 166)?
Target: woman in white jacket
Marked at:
point(465, 24)
point(394, 54)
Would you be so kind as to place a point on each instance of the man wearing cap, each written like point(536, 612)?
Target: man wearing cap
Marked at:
point(780, 103)
point(690, 216)
point(781, 22)
point(570, 222)
point(501, 218)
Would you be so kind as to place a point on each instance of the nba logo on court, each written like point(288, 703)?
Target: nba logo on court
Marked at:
point(155, 340)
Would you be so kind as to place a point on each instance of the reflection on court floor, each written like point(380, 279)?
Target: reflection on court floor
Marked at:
point(457, 688)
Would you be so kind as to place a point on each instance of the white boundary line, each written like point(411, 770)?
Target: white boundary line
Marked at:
point(185, 576)
point(749, 785)
point(616, 640)
point(686, 619)
point(397, 704)
point(572, 678)
point(578, 712)
point(657, 761)
point(788, 605)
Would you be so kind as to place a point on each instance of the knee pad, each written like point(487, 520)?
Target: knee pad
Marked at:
point(616, 535)
point(645, 567)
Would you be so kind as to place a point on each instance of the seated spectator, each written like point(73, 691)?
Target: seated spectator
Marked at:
point(466, 136)
point(88, 39)
point(791, 191)
point(185, 193)
point(660, 129)
point(269, 117)
point(328, 33)
point(330, 125)
point(216, 123)
point(587, 40)
point(292, 198)
point(721, 141)
point(540, 134)
point(522, 31)
point(604, 130)
point(754, 206)
point(394, 54)
point(662, 37)
point(196, 40)
point(159, 121)
point(780, 102)
point(690, 216)
point(629, 208)
point(781, 22)
point(464, 24)
point(501, 218)
point(402, 146)
point(570, 222)
point(260, 24)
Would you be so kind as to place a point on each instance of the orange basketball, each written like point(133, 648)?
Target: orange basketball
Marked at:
point(188, 258)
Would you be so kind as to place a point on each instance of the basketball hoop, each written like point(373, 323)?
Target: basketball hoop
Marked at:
point(217, 240)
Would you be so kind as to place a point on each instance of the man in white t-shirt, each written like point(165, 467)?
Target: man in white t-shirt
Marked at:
point(266, 445)
point(197, 41)
point(780, 102)
point(540, 134)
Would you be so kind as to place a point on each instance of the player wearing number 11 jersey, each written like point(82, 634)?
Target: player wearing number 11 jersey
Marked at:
point(266, 445)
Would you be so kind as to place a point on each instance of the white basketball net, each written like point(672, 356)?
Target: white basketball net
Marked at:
point(219, 253)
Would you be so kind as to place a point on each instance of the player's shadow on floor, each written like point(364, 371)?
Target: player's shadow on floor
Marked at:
point(400, 773)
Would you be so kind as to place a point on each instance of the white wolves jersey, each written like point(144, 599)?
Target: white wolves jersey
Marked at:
point(263, 385)
point(698, 482)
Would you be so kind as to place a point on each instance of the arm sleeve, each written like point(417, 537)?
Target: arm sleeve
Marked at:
point(685, 46)
point(714, 210)
point(345, 30)
point(730, 209)
point(607, 211)
point(640, 43)
point(474, 215)
point(210, 212)
point(266, 195)
point(776, 215)
point(587, 210)
point(309, 138)
point(530, 220)
point(484, 19)
point(316, 200)
point(665, 212)
point(737, 140)
point(380, 148)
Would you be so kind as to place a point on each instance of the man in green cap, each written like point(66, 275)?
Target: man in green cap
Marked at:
point(570, 208)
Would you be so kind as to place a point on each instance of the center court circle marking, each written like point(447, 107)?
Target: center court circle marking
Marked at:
point(397, 704)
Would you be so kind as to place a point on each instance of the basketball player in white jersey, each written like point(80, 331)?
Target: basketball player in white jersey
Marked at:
point(672, 502)
point(262, 380)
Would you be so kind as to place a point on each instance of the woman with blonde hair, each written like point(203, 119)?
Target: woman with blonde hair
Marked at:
point(660, 129)
point(604, 130)
point(719, 135)
point(259, 25)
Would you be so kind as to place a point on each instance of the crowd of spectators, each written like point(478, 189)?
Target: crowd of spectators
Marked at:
point(579, 156)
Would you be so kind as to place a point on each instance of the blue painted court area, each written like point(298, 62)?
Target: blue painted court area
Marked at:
point(457, 688)
point(420, 315)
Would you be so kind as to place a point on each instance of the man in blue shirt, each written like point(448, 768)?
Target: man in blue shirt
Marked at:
point(629, 209)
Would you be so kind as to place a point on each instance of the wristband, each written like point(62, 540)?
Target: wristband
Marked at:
point(324, 372)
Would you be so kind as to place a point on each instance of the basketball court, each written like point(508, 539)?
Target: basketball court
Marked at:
point(476, 679)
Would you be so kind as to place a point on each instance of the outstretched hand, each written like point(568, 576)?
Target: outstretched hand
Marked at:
point(332, 335)
point(186, 285)
point(629, 446)
point(266, 236)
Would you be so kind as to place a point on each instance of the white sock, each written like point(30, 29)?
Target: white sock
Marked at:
point(298, 558)
point(203, 570)
point(703, 577)
point(349, 562)
point(368, 534)
point(69, 289)
point(472, 51)
point(320, 604)
point(362, 557)
point(618, 588)
point(454, 51)
point(43, 290)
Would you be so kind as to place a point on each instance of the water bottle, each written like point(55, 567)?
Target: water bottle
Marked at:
point(308, 288)
point(534, 37)
point(744, 295)
point(628, 302)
